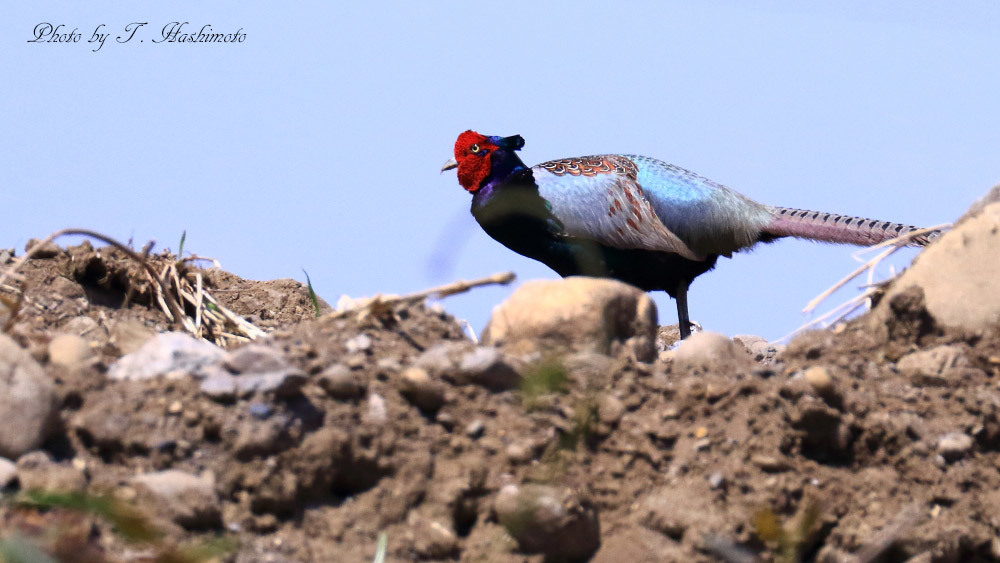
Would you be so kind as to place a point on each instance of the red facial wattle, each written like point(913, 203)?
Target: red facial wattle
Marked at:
point(472, 152)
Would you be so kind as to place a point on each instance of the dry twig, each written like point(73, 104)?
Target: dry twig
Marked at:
point(380, 305)
point(841, 311)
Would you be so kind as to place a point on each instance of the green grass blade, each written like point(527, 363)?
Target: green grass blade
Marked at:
point(180, 251)
point(312, 293)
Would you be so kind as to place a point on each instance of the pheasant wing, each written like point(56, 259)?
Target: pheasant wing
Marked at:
point(599, 198)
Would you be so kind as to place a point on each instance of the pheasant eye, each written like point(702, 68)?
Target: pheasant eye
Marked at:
point(474, 149)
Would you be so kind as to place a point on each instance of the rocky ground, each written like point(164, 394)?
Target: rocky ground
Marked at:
point(574, 432)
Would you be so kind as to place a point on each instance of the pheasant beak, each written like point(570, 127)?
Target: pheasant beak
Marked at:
point(452, 163)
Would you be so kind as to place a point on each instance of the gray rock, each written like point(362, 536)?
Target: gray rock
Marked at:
point(169, 354)
point(824, 384)
point(43, 251)
point(475, 429)
point(487, 367)
point(36, 471)
point(388, 366)
point(377, 412)
point(464, 363)
point(8, 471)
point(928, 364)
point(748, 340)
point(6, 254)
point(577, 313)
point(28, 403)
point(69, 351)
point(519, 452)
point(256, 359)
point(717, 480)
point(760, 349)
point(609, 409)
point(954, 445)
point(708, 350)
point(434, 539)
point(258, 369)
point(189, 500)
point(359, 343)
point(261, 411)
point(543, 519)
point(219, 385)
point(417, 387)
point(442, 359)
point(340, 383)
point(222, 385)
point(770, 464)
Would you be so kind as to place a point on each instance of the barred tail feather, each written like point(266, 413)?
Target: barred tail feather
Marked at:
point(831, 227)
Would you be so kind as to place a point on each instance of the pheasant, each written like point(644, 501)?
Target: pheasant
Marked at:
point(633, 218)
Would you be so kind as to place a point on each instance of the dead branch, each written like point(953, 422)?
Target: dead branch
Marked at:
point(842, 310)
point(380, 304)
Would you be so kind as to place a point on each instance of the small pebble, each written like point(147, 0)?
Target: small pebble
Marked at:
point(388, 365)
point(518, 453)
point(360, 343)
point(954, 445)
point(355, 361)
point(340, 382)
point(548, 520)
point(824, 385)
point(418, 388)
point(610, 409)
point(819, 378)
point(770, 464)
point(716, 480)
point(261, 411)
point(670, 413)
point(377, 412)
point(475, 429)
point(69, 351)
point(446, 420)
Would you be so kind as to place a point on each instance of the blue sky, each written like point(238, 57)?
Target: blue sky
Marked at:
point(316, 143)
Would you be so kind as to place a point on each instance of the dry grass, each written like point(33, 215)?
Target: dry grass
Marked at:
point(177, 290)
point(871, 288)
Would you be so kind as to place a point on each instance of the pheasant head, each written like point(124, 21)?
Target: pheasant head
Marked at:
point(481, 159)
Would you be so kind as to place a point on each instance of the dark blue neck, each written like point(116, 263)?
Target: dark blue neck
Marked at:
point(504, 163)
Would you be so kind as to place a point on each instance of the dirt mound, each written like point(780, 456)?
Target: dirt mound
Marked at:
point(875, 444)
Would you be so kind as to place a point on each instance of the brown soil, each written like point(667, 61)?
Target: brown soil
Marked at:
point(679, 466)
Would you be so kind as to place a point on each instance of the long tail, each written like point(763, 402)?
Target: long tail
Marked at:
point(831, 227)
